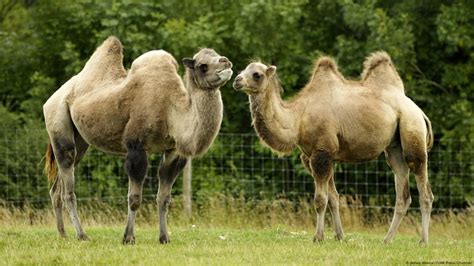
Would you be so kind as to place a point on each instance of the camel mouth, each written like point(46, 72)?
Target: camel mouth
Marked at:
point(225, 74)
point(240, 87)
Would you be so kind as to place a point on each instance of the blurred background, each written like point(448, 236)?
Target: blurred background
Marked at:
point(44, 43)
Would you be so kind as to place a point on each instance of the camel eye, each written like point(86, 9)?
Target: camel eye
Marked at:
point(203, 68)
point(256, 76)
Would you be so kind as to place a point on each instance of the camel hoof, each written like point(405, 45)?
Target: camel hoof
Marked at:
point(128, 240)
point(339, 237)
point(83, 237)
point(164, 239)
point(387, 241)
point(423, 242)
point(318, 238)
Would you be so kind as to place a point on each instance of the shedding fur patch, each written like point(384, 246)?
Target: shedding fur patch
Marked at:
point(374, 60)
point(136, 162)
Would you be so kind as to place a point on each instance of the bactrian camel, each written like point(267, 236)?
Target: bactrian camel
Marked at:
point(333, 119)
point(134, 113)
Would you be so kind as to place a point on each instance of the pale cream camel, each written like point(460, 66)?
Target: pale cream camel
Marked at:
point(145, 110)
point(337, 120)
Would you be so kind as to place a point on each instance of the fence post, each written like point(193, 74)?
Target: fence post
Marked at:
point(187, 190)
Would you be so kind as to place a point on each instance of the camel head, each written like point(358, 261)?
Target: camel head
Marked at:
point(208, 69)
point(254, 78)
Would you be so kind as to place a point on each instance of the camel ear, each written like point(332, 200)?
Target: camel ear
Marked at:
point(271, 71)
point(188, 62)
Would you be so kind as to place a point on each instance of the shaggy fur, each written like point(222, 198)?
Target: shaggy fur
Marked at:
point(346, 121)
point(114, 110)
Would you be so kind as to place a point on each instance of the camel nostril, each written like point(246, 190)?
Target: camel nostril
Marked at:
point(238, 78)
point(226, 61)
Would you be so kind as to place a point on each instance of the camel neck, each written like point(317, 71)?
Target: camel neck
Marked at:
point(274, 120)
point(204, 117)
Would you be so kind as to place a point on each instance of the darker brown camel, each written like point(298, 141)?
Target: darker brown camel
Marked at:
point(145, 110)
point(333, 119)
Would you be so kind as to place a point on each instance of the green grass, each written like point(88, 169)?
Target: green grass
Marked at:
point(40, 244)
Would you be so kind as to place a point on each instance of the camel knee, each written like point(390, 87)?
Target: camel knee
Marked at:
point(163, 202)
point(320, 202)
point(136, 162)
point(55, 198)
point(333, 200)
point(402, 205)
point(426, 201)
point(69, 199)
point(65, 153)
point(134, 202)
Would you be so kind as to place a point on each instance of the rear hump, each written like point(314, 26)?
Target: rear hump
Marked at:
point(380, 71)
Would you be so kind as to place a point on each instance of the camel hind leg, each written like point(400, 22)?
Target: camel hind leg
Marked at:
point(57, 186)
point(395, 160)
point(413, 136)
point(55, 194)
point(63, 138)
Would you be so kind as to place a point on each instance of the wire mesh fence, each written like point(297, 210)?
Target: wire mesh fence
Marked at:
point(236, 165)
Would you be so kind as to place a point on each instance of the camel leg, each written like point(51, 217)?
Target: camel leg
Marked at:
point(413, 137)
point(426, 203)
point(420, 168)
point(333, 200)
point(171, 165)
point(65, 151)
point(56, 188)
point(334, 208)
point(321, 166)
point(136, 165)
point(399, 167)
point(55, 194)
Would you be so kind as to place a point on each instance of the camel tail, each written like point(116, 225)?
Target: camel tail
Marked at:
point(379, 67)
point(50, 167)
point(429, 133)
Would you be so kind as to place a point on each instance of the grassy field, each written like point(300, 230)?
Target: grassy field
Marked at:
point(222, 246)
point(232, 232)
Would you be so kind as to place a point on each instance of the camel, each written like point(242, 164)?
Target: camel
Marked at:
point(333, 119)
point(148, 109)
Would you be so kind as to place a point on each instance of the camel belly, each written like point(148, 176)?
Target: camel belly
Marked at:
point(360, 152)
point(365, 144)
point(99, 132)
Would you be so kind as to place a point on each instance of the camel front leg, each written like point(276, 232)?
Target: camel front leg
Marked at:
point(171, 165)
point(321, 166)
point(333, 199)
point(136, 165)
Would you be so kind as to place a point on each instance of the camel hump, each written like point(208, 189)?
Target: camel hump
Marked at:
point(325, 68)
point(379, 68)
point(106, 61)
point(325, 63)
point(155, 58)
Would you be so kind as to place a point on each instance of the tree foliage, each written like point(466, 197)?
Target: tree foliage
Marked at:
point(44, 43)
